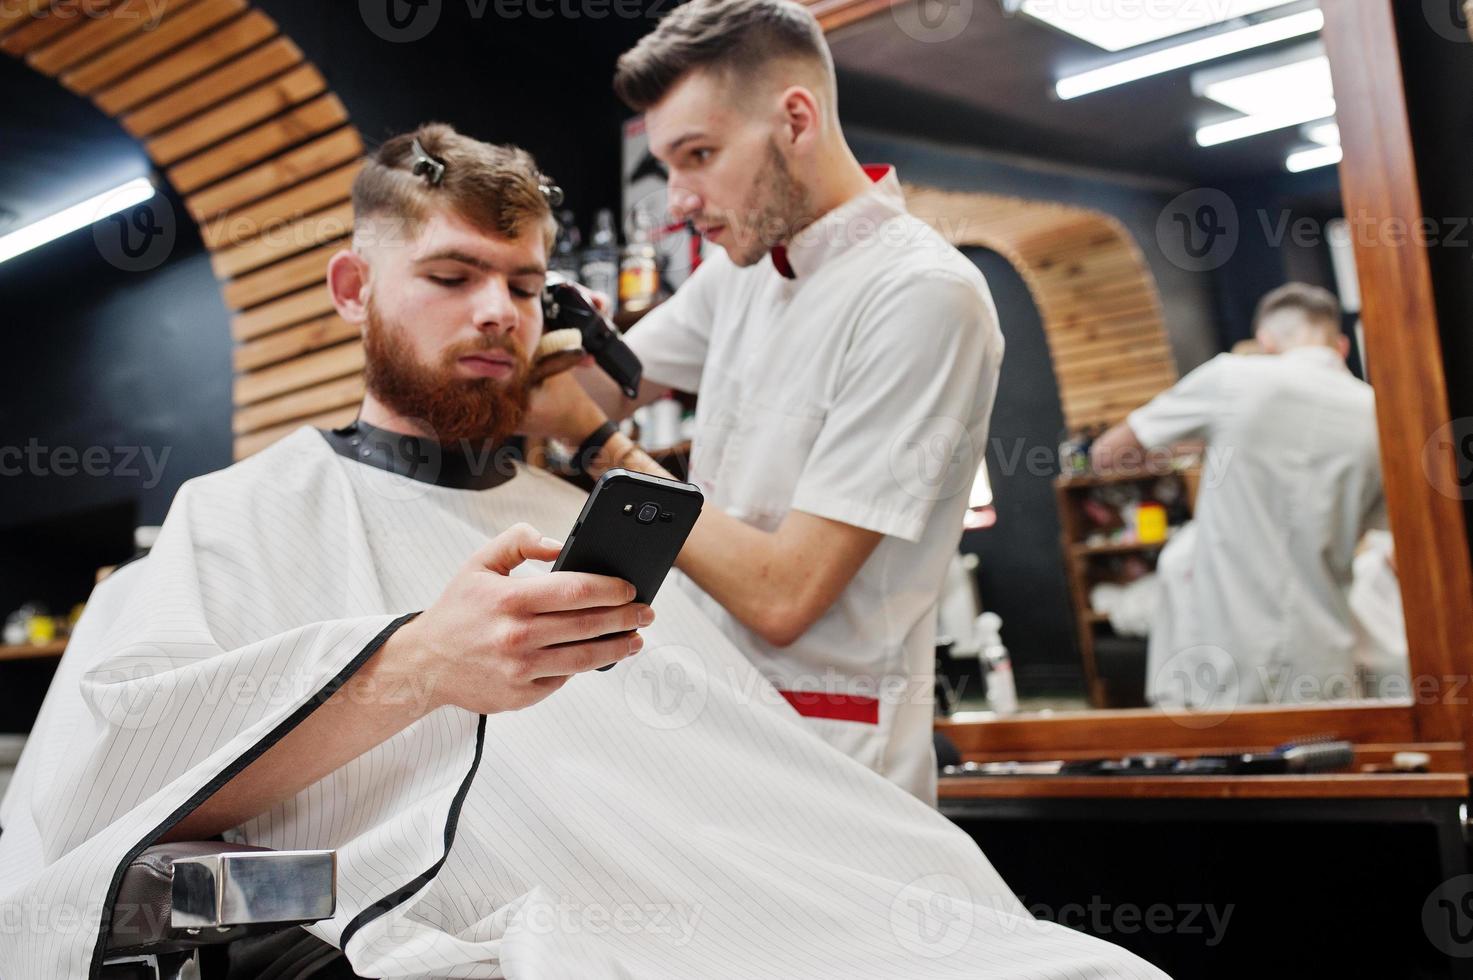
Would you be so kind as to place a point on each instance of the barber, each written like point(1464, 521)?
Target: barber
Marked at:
point(845, 357)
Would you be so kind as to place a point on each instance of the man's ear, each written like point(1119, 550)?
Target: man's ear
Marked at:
point(1342, 343)
point(347, 283)
point(801, 117)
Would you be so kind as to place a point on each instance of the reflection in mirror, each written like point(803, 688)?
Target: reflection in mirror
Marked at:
point(1181, 503)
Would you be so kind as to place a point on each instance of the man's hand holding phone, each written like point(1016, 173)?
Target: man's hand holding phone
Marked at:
point(493, 643)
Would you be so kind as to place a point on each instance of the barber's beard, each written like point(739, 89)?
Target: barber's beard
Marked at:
point(457, 409)
point(780, 208)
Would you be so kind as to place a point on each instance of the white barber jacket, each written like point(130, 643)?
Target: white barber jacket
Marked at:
point(859, 389)
point(1291, 482)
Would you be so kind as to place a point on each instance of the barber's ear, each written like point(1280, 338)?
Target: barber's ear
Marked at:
point(800, 117)
point(347, 283)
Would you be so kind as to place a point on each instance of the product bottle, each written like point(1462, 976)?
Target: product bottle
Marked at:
point(1002, 693)
point(565, 258)
point(600, 271)
point(639, 275)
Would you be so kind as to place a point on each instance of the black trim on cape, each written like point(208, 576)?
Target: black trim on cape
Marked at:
point(452, 820)
point(260, 749)
point(457, 467)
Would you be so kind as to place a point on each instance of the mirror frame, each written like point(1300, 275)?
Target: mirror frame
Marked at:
point(1378, 186)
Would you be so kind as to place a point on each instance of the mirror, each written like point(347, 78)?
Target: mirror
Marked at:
point(1182, 502)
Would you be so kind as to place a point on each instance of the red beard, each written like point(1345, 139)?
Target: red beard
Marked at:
point(456, 409)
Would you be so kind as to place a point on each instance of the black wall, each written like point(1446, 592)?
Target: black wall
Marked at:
point(1020, 571)
point(541, 82)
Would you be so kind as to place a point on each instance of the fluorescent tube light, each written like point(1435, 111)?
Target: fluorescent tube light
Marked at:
point(1326, 134)
point(1245, 126)
point(68, 220)
point(1268, 90)
point(1191, 53)
point(1118, 29)
point(1320, 156)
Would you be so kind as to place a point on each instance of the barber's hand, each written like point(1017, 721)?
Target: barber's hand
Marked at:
point(493, 643)
point(561, 409)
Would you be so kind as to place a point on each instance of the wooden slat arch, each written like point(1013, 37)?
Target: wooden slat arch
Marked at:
point(264, 155)
point(1098, 300)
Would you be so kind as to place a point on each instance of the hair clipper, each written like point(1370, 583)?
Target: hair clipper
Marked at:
point(564, 307)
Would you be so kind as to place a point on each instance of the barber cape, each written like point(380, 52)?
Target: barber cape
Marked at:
point(667, 818)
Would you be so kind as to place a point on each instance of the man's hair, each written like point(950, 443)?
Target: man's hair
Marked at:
point(496, 188)
point(1318, 306)
point(737, 38)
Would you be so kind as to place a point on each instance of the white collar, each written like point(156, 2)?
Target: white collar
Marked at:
point(1317, 354)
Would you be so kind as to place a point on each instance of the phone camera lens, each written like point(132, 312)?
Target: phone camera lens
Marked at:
point(647, 514)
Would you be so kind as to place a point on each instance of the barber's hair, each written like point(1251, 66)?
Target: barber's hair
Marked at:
point(737, 38)
point(496, 188)
point(1318, 306)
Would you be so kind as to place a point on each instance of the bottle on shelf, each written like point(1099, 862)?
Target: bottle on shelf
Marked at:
point(565, 254)
point(1002, 692)
point(639, 271)
point(600, 268)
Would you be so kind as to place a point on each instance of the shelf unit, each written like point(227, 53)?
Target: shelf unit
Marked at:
point(1082, 561)
point(32, 651)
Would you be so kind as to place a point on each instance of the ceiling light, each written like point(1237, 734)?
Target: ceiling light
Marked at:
point(1244, 126)
point(1262, 91)
point(1325, 134)
point(1320, 156)
point(67, 220)
point(1191, 53)
point(1118, 29)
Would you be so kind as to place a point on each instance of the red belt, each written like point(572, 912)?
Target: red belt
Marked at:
point(839, 707)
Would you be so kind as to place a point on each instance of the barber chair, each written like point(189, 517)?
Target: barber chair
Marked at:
point(177, 901)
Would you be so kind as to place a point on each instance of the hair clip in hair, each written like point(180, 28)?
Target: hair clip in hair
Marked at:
point(551, 191)
point(424, 165)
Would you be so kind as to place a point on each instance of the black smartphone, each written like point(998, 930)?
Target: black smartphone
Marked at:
point(632, 527)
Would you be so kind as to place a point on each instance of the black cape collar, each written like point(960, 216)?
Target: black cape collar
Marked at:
point(457, 467)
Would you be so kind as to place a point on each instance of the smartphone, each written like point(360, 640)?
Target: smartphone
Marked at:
point(632, 527)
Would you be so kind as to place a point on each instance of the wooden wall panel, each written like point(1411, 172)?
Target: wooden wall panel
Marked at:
point(196, 60)
point(285, 312)
point(255, 145)
point(239, 75)
point(248, 221)
point(51, 22)
point(265, 157)
point(147, 47)
point(261, 103)
point(312, 159)
point(1094, 292)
